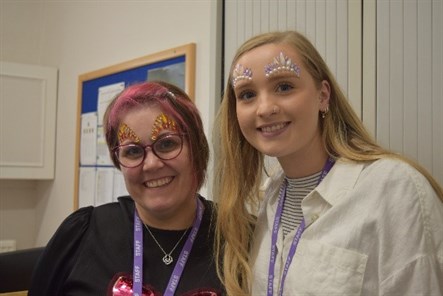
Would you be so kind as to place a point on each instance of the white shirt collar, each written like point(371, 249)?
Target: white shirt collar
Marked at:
point(340, 180)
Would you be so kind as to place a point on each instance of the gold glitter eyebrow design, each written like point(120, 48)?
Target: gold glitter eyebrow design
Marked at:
point(162, 122)
point(125, 132)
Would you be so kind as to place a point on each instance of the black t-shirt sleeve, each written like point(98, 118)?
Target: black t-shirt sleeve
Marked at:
point(58, 258)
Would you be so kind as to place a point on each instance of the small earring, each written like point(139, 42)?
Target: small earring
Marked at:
point(324, 112)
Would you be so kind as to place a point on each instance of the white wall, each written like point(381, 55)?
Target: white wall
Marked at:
point(409, 80)
point(78, 37)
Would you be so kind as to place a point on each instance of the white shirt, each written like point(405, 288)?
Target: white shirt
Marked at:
point(372, 229)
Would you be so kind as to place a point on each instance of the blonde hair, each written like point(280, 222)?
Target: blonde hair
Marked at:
point(239, 165)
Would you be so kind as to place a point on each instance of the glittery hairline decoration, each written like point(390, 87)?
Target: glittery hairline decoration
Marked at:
point(163, 122)
point(171, 95)
point(125, 132)
point(282, 63)
point(240, 73)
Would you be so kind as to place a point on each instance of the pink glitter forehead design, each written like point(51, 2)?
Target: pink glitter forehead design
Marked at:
point(125, 132)
point(282, 63)
point(163, 122)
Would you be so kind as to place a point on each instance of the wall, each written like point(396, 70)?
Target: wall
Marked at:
point(78, 37)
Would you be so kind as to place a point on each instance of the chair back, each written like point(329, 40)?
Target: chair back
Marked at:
point(16, 269)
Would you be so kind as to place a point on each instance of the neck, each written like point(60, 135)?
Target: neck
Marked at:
point(303, 164)
point(179, 219)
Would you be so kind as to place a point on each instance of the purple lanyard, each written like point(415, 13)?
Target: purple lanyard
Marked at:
point(184, 255)
point(293, 248)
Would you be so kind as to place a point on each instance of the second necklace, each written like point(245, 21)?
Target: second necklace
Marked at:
point(167, 259)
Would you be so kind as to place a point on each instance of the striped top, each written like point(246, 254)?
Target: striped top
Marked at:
point(296, 191)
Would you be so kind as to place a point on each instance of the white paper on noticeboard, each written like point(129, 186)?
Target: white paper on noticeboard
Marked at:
point(119, 185)
point(103, 157)
point(105, 96)
point(86, 187)
point(104, 185)
point(88, 139)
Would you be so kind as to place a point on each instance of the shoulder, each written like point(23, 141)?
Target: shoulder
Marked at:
point(209, 214)
point(210, 208)
point(390, 164)
point(59, 255)
point(396, 172)
point(398, 185)
point(393, 180)
point(209, 204)
point(77, 222)
point(119, 214)
point(106, 210)
point(383, 171)
point(124, 202)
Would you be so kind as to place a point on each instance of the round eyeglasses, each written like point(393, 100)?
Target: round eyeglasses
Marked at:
point(166, 147)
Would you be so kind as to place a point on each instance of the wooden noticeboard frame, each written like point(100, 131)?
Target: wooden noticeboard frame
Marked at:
point(157, 65)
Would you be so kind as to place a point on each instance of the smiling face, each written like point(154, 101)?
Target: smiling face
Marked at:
point(278, 111)
point(163, 190)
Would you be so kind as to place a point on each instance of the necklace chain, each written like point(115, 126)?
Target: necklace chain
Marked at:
point(167, 259)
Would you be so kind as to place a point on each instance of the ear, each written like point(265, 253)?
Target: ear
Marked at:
point(325, 93)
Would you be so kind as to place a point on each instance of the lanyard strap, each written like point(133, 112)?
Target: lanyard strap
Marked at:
point(179, 266)
point(138, 256)
point(275, 228)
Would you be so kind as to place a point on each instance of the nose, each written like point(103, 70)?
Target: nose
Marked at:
point(151, 162)
point(267, 107)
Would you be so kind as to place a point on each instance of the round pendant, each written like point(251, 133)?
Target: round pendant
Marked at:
point(167, 259)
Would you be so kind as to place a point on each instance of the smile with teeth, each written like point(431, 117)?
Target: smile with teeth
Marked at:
point(158, 182)
point(273, 128)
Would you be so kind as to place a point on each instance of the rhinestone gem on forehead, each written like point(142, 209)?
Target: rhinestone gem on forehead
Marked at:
point(282, 63)
point(162, 122)
point(240, 73)
point(125, 132)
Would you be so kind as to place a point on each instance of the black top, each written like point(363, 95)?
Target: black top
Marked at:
point(94, 245)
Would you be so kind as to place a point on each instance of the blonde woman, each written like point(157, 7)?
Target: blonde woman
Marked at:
point(344, 216)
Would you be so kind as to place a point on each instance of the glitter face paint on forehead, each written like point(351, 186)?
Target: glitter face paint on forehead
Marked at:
point(240, 73)
point(282, 63)
point(126, 133)
point(163, 122)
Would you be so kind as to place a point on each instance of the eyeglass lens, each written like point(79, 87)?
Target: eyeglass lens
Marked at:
point(165, 148)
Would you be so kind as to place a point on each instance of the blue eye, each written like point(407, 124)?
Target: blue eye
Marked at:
point(284, 87)
point(167, 144)
point(245, 95)
point(131, 151)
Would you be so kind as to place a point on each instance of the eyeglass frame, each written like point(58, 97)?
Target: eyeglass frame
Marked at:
point(150, 146)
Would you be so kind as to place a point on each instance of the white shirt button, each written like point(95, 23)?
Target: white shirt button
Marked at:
point(314, 217)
